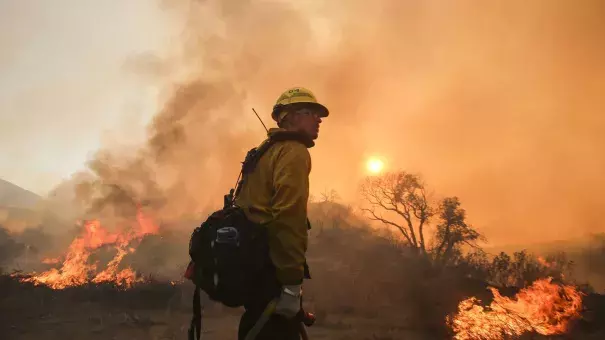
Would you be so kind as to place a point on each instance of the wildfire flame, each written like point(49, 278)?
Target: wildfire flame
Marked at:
point(51, 260)
point(542, 261)
point(75, 268)
point(544, 307)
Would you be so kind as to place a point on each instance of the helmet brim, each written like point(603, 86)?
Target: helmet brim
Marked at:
point(322, 110)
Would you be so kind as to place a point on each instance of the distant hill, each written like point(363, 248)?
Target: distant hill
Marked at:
point(13, 196)
point(21, 208)
point(568, 245)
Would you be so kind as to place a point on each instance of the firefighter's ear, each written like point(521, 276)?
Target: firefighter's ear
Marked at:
point(276, 110)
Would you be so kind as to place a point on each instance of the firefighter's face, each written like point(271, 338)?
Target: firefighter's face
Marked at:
point(307, 121)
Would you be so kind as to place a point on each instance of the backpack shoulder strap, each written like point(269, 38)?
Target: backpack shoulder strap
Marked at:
point(254, 155)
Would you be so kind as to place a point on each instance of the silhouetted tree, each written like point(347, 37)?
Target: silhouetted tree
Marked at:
point(324, 209)
point(452, 231)
point(400, 200)
point(329, 196)
point(523, 268)
point(402, 195)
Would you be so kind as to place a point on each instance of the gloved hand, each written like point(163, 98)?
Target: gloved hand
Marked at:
point(288, 304)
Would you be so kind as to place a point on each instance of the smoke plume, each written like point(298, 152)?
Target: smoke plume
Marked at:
point(499, 103)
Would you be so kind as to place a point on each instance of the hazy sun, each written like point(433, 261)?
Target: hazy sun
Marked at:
point(375, 165)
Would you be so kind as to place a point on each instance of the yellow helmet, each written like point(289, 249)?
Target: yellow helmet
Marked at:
point(297, 96)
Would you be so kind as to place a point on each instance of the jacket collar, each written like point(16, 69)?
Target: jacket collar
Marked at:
point(279, 134)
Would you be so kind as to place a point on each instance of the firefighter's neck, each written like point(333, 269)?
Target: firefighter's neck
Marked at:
point(296, 129)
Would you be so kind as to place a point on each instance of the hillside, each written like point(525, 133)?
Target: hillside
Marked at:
point(21, 209)
point(14, 196)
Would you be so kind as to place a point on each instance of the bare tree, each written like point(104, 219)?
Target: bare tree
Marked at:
point(400, 200)
point(403, 196)
point(324, 208)
point(329, 196)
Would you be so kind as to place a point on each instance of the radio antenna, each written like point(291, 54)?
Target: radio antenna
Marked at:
point(261, 121)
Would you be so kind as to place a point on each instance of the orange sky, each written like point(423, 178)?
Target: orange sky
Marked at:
point(499, 103)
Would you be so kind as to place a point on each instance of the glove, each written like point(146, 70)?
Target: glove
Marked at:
point(288, 304)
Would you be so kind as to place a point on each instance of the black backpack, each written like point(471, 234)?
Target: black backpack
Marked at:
point(227, 251)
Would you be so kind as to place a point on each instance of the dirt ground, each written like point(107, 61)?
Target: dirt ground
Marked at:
point(145, 325)
point(162, 311)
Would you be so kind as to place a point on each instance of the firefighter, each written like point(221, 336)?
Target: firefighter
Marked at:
point(275, 195)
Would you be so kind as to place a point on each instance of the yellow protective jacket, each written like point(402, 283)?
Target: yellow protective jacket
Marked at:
point(275, 195)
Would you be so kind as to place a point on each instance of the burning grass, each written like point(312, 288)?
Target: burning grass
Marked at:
point(76, 269)
point(148, 293)
point(544, 307)
point(395, 295)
